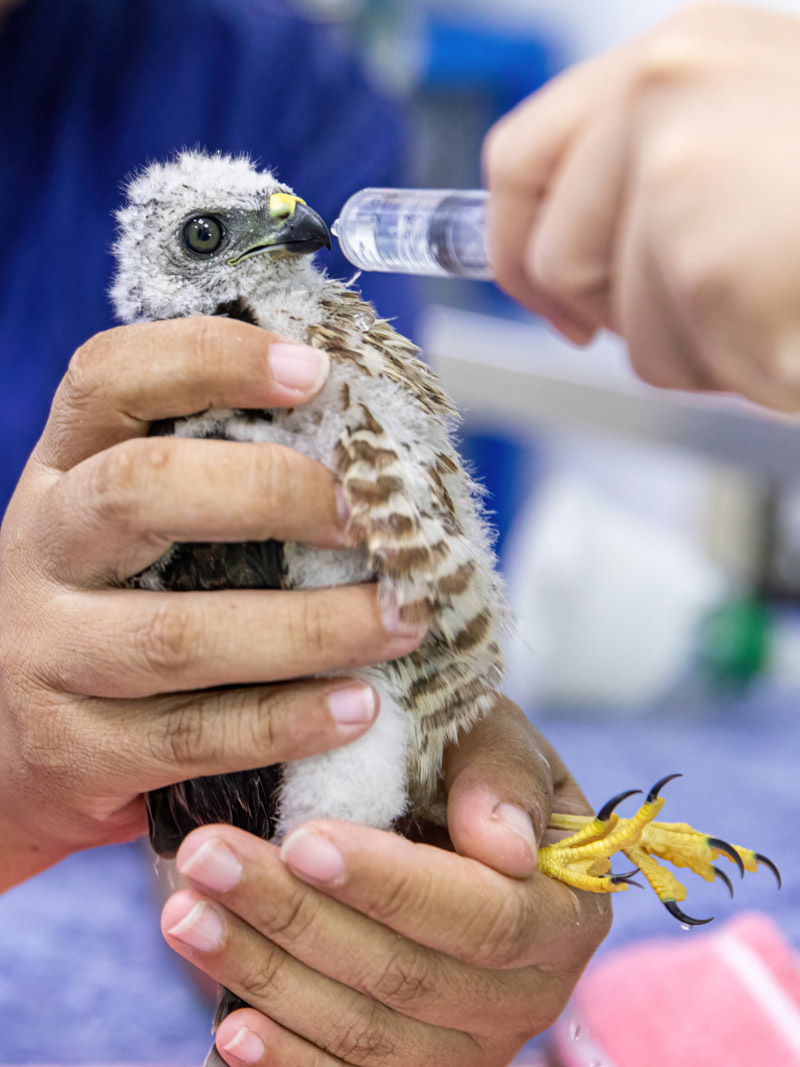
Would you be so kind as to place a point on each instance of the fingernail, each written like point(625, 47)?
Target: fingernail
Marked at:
point(298, 366)
point(312, 857)
point(353, 705)
point(200, 929)
point(401, 623)
point(247, 1046)
point(574, 331)
point(517, 820)
point(213, 864)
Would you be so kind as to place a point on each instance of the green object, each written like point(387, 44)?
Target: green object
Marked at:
point(735, 641)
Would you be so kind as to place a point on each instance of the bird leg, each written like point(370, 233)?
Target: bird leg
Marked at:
point(583, 860)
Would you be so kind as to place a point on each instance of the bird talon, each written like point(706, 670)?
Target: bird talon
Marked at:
point(723, 878)
point(652, 796)
point(683, 919)
point(765, 861)
point(625, 879)
point(583, 859)
point(624, 875)
point(727, 850)
point(604, 814)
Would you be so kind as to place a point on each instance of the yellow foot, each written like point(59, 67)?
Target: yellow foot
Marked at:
point(584, 859)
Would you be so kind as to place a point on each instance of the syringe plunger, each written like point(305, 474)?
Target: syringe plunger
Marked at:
point(416, 231)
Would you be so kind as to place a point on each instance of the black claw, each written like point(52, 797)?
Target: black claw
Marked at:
point(767, 862)
point(723, 878)
point(685, 920)
point(605, 812)
point(653, 794)
point(727, 850)
point(625, 879)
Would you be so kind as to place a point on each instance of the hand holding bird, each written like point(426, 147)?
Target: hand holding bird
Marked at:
point(99, 698)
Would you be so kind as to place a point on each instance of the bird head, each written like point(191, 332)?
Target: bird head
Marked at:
point(202, 231)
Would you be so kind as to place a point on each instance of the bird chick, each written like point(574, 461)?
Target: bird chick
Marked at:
point(212, 235)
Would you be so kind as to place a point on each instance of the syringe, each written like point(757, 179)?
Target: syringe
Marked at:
point(416, 231)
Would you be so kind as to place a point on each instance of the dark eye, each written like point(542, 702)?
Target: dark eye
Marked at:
point(203, 234)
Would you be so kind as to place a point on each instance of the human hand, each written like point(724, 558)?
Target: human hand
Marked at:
point(386, 950)
point(654, 191)
point(99, 685)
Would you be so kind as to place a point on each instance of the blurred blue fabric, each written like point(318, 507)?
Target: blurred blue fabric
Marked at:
point(86, 979)
point(92, 90)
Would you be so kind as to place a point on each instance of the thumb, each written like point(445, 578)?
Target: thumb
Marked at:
point(499, 785)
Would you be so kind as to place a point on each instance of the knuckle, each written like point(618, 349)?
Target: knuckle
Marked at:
point(406, 894)
point(203, 337)
point(167, 641)
point(702, 282)
point(550, 268)
point(408, 978)
point(251, 721)
point(675, 160)
point(113, 492)
point(185, 732)
point(293, 921)
point(272, 472)
point(55, 751)
point(312, 627)
point(42, 746)
point(81, 378)
point(260, 983)
point(365, 1036)
point(673, 54)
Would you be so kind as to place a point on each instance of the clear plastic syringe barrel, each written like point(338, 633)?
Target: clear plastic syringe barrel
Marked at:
point(416, 231)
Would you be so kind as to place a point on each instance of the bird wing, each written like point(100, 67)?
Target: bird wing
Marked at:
point(416, 509)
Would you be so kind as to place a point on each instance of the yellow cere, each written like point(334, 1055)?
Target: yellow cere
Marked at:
point(282, 205)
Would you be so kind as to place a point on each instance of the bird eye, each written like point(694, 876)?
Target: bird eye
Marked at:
point(203, 234)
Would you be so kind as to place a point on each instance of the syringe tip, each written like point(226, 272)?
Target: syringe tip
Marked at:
point(438, 232)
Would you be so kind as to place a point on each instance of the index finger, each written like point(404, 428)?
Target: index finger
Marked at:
point(123, 379)
point(439, 899)
point(523, 154)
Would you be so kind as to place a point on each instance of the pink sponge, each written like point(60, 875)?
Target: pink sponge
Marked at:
point(727, 999)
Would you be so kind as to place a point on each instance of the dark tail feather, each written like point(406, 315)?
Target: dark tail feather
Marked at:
point(247, 799)
point(213, 1059)
point(228, 1002)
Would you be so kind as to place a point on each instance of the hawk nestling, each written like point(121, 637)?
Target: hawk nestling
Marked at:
point(211, 235)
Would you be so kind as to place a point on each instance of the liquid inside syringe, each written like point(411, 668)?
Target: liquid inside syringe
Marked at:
point(416, 231)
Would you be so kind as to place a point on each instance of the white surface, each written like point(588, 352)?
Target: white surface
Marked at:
point(516, 373)
point(607, 602)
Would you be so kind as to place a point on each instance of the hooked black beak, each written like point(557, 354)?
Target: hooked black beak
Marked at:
point(302, 233)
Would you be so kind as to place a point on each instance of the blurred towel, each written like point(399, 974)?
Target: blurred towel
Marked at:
point(728, 999)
